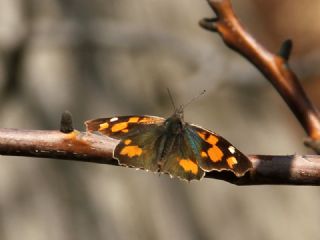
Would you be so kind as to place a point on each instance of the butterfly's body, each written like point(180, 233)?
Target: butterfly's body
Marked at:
point(170, 145)
point(172, 130)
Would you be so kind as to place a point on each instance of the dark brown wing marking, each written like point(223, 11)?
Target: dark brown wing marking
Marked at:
point(216, 153)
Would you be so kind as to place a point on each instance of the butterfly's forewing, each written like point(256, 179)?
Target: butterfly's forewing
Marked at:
point(181, 161)
point(119, 127)
point(216, 153)
point(138, 138)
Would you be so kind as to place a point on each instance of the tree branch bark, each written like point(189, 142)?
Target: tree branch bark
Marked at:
point(94, 148)
point(69, 144)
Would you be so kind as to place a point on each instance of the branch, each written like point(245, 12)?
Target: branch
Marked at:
point(69, 144)
point(94, 148)
point(79, 146)
point(274, 67)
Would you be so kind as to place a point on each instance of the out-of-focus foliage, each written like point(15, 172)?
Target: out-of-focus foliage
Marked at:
point(117, 57)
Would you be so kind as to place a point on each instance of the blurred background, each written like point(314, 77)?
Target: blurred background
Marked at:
point(117, 57)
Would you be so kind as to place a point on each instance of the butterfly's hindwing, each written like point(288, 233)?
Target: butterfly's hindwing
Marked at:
point(139, 150)
point(216, 153)
point(145, 151)
point(181, 161)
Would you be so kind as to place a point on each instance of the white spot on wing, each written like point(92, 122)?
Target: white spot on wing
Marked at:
point(232, 149)
point(114, 119)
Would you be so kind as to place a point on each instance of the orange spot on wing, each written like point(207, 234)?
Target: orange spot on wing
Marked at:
point(215, 154)
point(119, 127)
point(232, 161)
point(202, 135)
point(212, 139)
point(127, 141)
point(131, 151)
point(133, 119)
point(144, 120)
point(188, 166)
point(204, 154)
point(150, 120)
point(103, 126)
point(125, 130)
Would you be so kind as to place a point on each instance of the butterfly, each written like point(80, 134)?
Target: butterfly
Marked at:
point(170, 146)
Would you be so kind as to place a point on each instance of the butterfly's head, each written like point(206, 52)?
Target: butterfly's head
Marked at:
point(178, 113)
point(175, 123)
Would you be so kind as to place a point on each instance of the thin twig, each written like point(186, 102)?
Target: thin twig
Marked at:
point(274, 67)
point(94, 148)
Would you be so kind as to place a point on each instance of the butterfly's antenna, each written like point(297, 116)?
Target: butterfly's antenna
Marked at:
point(171, 99)
point(194, 98)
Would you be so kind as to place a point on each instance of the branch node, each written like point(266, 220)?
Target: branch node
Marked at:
point(286, 49)
point(66, 125)
point(209, 24)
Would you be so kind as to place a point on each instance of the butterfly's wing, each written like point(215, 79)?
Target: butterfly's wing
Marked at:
point(141, 143)
point(138, 138)
point(120, 127)
point(216, 153)
point(181, 161)
point(140, 150)
point(143, 151)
